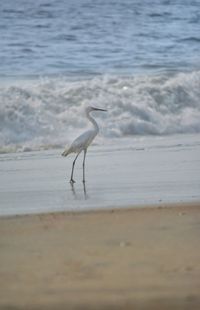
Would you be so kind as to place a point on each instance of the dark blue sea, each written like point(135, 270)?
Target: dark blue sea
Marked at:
point(139, 59)
point(98, 36)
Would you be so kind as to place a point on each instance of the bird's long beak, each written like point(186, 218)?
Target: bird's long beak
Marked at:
point(97, 109)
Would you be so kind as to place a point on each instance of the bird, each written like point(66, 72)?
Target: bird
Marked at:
point(83, 141)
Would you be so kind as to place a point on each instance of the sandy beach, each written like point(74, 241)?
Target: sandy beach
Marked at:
point(146, 258)
point(126, 234)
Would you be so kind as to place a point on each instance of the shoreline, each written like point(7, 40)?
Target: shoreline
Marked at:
point(141, 258)
point(39, 182)
point(128, 208)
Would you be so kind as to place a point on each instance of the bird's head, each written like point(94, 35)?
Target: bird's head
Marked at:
point(90, 109)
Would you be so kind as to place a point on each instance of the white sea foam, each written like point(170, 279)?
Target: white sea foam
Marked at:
point(48, 112)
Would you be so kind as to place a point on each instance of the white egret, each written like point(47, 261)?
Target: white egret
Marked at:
point(83, 141)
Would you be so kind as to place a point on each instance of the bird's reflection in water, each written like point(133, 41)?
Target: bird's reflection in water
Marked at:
point(75, 193)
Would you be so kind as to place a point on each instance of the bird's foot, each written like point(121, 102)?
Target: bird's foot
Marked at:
point(72, 181)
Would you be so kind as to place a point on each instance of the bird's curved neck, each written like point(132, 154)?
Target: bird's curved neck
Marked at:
point(92, 120)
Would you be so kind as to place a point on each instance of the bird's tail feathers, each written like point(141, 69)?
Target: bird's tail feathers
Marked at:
point(66, 152)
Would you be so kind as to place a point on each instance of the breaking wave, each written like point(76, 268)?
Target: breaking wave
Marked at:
point(48, 112)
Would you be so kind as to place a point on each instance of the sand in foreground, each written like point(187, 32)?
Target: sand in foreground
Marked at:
point(122, 259)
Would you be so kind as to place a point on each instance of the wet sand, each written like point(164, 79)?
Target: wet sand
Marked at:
point(139, 172)
point(145, 258)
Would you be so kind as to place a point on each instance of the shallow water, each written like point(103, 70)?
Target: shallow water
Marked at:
point(138, 172)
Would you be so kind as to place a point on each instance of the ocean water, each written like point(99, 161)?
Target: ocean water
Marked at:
point(138, 59)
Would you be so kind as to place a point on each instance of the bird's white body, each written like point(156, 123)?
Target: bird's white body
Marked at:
point(83, 141)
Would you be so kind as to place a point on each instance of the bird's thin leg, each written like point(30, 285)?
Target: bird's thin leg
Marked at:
point(85, 151)
point(71, 180)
